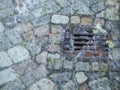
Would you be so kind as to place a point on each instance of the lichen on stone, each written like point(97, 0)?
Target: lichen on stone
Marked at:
point(110, 44)
point(99, 29)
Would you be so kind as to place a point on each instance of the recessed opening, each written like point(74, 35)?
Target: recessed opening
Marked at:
point(82, 39)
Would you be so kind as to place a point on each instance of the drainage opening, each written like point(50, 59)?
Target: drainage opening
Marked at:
point(81, 39)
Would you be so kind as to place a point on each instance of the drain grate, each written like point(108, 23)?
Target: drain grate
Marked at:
point(82, 39)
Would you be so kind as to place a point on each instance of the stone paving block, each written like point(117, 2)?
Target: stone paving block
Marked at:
point(100, 83)
point(86, 21)
point(4, 42)
point(63, 3)
point(42, 20)
point(75, 19)
point(44, 84)
point(60, 19)
point(14, 85)
point(42, 58)
point(18, 54)
point(5, 60)
point(56, 29)
point(82, 66)
point(7, 75)
point(34, 74)
point(81, 77)
point(41, 30)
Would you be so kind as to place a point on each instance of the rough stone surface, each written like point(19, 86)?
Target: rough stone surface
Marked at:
point(84, 87)
point(111, 2)
point(60, 77)
point(55, 64)
point(54, 48)
point(56, 29)
point(82, 8)
point(42, 58)
point(23, 27)
point(115, 54)
point(23, 67)
point(49, 7)
point(55, 38)
point(115, 65)
point(114, 76)
point(44, 84)
point(34, 47)
point(95, 66)
point(37, 39)
point(18, 54)
point(59, 19)
point(112, 14)
point(13, 36)
point(69, 86)
point(2, 28)
point(99, 66)
point(86, 21)
point(28, 36)
point(10, 22)
point(7, 75)
point(41, 21)
point(5, 60)
point(34, 74)
point(101, 14)
point(95, 75)
point(81, 77)
point(6, 12)
point(41, 31)
point(100, 21)
point(53, 6)
point(82, 66)
point(63, 3)
point(68, 64)
point(67, 11)
point(14, 85)
point(100, 84)
point(4, 42)
point(98, 7)
point(75, 19)
point(53, 56)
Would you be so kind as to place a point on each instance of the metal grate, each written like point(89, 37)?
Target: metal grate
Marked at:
point(82, 39)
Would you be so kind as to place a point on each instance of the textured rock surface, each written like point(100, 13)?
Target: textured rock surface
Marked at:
point(7, 76)
point(18, 54)
point(14, 85)
point(44, 84)
point(75, 19)
point(59, 19)
point(81, 77)
point(101, 83)
point(42, 58)
point(1, 28)
point(69, 86)
point(82, 66)
point(38, 41)
point(5, 60)
point(41, 31)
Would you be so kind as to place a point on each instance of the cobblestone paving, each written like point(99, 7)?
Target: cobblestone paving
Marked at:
point(31, 37)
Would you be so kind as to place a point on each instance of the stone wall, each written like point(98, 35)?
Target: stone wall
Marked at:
point(31, 51)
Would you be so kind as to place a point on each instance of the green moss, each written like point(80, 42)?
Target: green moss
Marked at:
point(45, 8)
point(53, 61)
